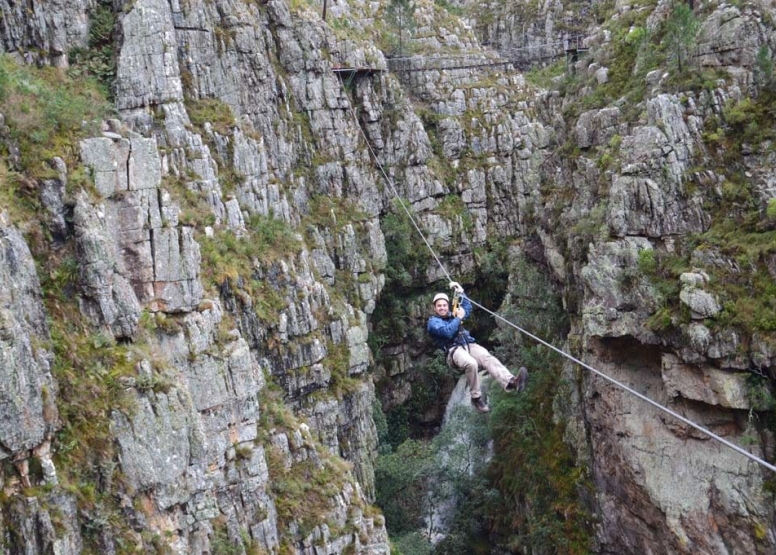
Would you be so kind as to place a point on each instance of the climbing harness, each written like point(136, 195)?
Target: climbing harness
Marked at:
point(611, 380)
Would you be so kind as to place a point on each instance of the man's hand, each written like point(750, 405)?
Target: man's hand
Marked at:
point(455, 286)
point(459, 313)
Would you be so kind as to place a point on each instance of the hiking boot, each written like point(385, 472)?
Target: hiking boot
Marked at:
point(480, 404)
point(518, 383)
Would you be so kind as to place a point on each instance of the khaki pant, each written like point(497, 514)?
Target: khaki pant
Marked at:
point(470, 360)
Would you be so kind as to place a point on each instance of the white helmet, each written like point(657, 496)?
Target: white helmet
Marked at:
point(440, 297)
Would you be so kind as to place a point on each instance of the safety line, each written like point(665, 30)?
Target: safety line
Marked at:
point(621, 385)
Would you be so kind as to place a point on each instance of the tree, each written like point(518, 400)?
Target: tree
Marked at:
point(400, 481)
point(401, 15)
point(764, 66)
point(681, 31)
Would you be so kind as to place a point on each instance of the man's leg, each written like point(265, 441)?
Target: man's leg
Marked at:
point(491, 364)
point(466, 362)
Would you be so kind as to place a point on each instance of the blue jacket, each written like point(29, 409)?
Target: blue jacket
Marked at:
point(448, 332)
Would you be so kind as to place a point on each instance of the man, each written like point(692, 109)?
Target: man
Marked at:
point(448, 333)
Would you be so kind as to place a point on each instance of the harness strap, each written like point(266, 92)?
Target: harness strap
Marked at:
point(455, 345)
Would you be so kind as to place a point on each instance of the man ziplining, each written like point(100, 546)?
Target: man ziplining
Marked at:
point(462, 352)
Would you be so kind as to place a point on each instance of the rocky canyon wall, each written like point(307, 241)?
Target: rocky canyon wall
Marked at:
point(188, 286)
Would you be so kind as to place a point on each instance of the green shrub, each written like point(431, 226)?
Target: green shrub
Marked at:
point(647, 261)
point(213, 111)
point(545, 77)
point(542, 503)
point(401, 484)
point(770, 211)
point(48, 113)
point(411, 543)
point(98, 60)
point(764, 66)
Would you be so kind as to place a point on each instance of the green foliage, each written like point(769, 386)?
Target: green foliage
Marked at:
point(411, 543)
point(88, 369)
point(760, 394)
point(338, 360)
point(630, 56)
point(48, 112)
point(333, 213)
point(661, 320)
point(220, 544)
point(304, 492)
point(18, 195)
point(770, 211)
point(406, 254)
point(491, 275)
point(764, 67)
point(406, 261)
point(455, 10)
point(381, 425)
point(663, 269)
point(452, 208)
point(681, 30)
point(647, 261)
point(746, 287)
point(98, 60)
point(460, 461)
point(229, 179)
point(213, 111)
point(545, 77)
point(230, 256)
point(235, 261)
point(401, 485)
point(194, 208)
point(400, 14)
point(92, 372)
point(539, 505)
point(433, 380)
point(398, 420)
point(589, 229)
point(273, 237)
point(750, 121)
point(299, 5)
point(541, 485)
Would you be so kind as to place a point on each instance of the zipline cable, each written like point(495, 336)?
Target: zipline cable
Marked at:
point(611, 380)
point(392, 186)
point(621, 385)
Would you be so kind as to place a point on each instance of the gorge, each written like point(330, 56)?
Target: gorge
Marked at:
point(213, 307)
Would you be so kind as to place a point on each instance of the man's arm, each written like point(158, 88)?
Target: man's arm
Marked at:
point(443, 328)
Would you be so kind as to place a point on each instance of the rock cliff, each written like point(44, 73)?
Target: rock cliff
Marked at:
point(190, 278)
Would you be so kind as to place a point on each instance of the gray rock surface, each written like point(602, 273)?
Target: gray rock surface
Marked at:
point(701, 303)
point(147, 63)
point(619, 298)
point(476, 154)
point(52, 197)
point(44, 32)
point(27, 397)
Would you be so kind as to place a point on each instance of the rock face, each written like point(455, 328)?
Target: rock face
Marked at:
point(44, 32)
point(659, 483)
point(229, 259)
point(29, 414)
point(204, 449)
